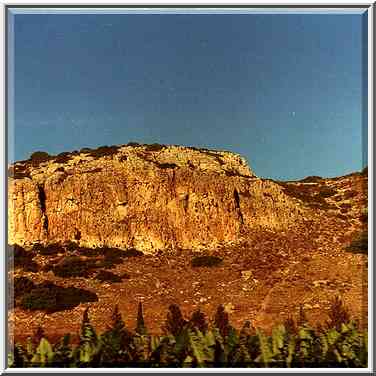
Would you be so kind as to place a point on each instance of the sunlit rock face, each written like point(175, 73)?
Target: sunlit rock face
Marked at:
point(148, 197)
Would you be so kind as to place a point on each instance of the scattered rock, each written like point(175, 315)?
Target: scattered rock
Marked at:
point(246, 274)
point(229, 308)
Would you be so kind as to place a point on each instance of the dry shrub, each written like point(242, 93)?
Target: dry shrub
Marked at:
point(106, 276)
point(208, 261)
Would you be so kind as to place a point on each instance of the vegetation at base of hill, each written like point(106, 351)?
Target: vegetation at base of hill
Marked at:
point(359, 244)
point(76, 261)
point(48, 297)
point(195, 342)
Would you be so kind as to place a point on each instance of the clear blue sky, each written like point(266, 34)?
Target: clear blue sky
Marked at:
point(284, 90)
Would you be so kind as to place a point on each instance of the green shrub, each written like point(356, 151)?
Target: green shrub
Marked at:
point(154, 147)
point(74, 266)
point(63, 157)
point(104, 151)
point(40, 156)
point(200, 261)
point(22, 285)
point(106, 276)
point(40, 298)
point(52, 298)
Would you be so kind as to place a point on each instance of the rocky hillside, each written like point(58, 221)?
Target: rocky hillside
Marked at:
point(267, 248)
point(147, 197)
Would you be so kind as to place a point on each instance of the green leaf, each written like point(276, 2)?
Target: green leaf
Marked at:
point(44, 353)
point(266, 354)
point(202, 350)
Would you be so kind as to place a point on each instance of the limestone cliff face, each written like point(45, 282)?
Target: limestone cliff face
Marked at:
point(146, 197)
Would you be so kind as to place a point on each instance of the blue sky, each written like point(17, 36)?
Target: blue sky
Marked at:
point(287, 91)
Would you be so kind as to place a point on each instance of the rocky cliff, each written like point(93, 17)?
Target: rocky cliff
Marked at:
point(148, 197)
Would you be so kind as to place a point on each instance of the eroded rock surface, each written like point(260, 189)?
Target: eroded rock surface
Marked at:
point(146, 197)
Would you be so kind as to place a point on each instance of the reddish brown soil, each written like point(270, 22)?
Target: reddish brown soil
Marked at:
point(306, 266)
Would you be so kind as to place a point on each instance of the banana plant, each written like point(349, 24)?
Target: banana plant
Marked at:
point(266, 352)
point(202, 346)
point(194, 344)
point(63, 351)
point(44, 354)
point(89, 347)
